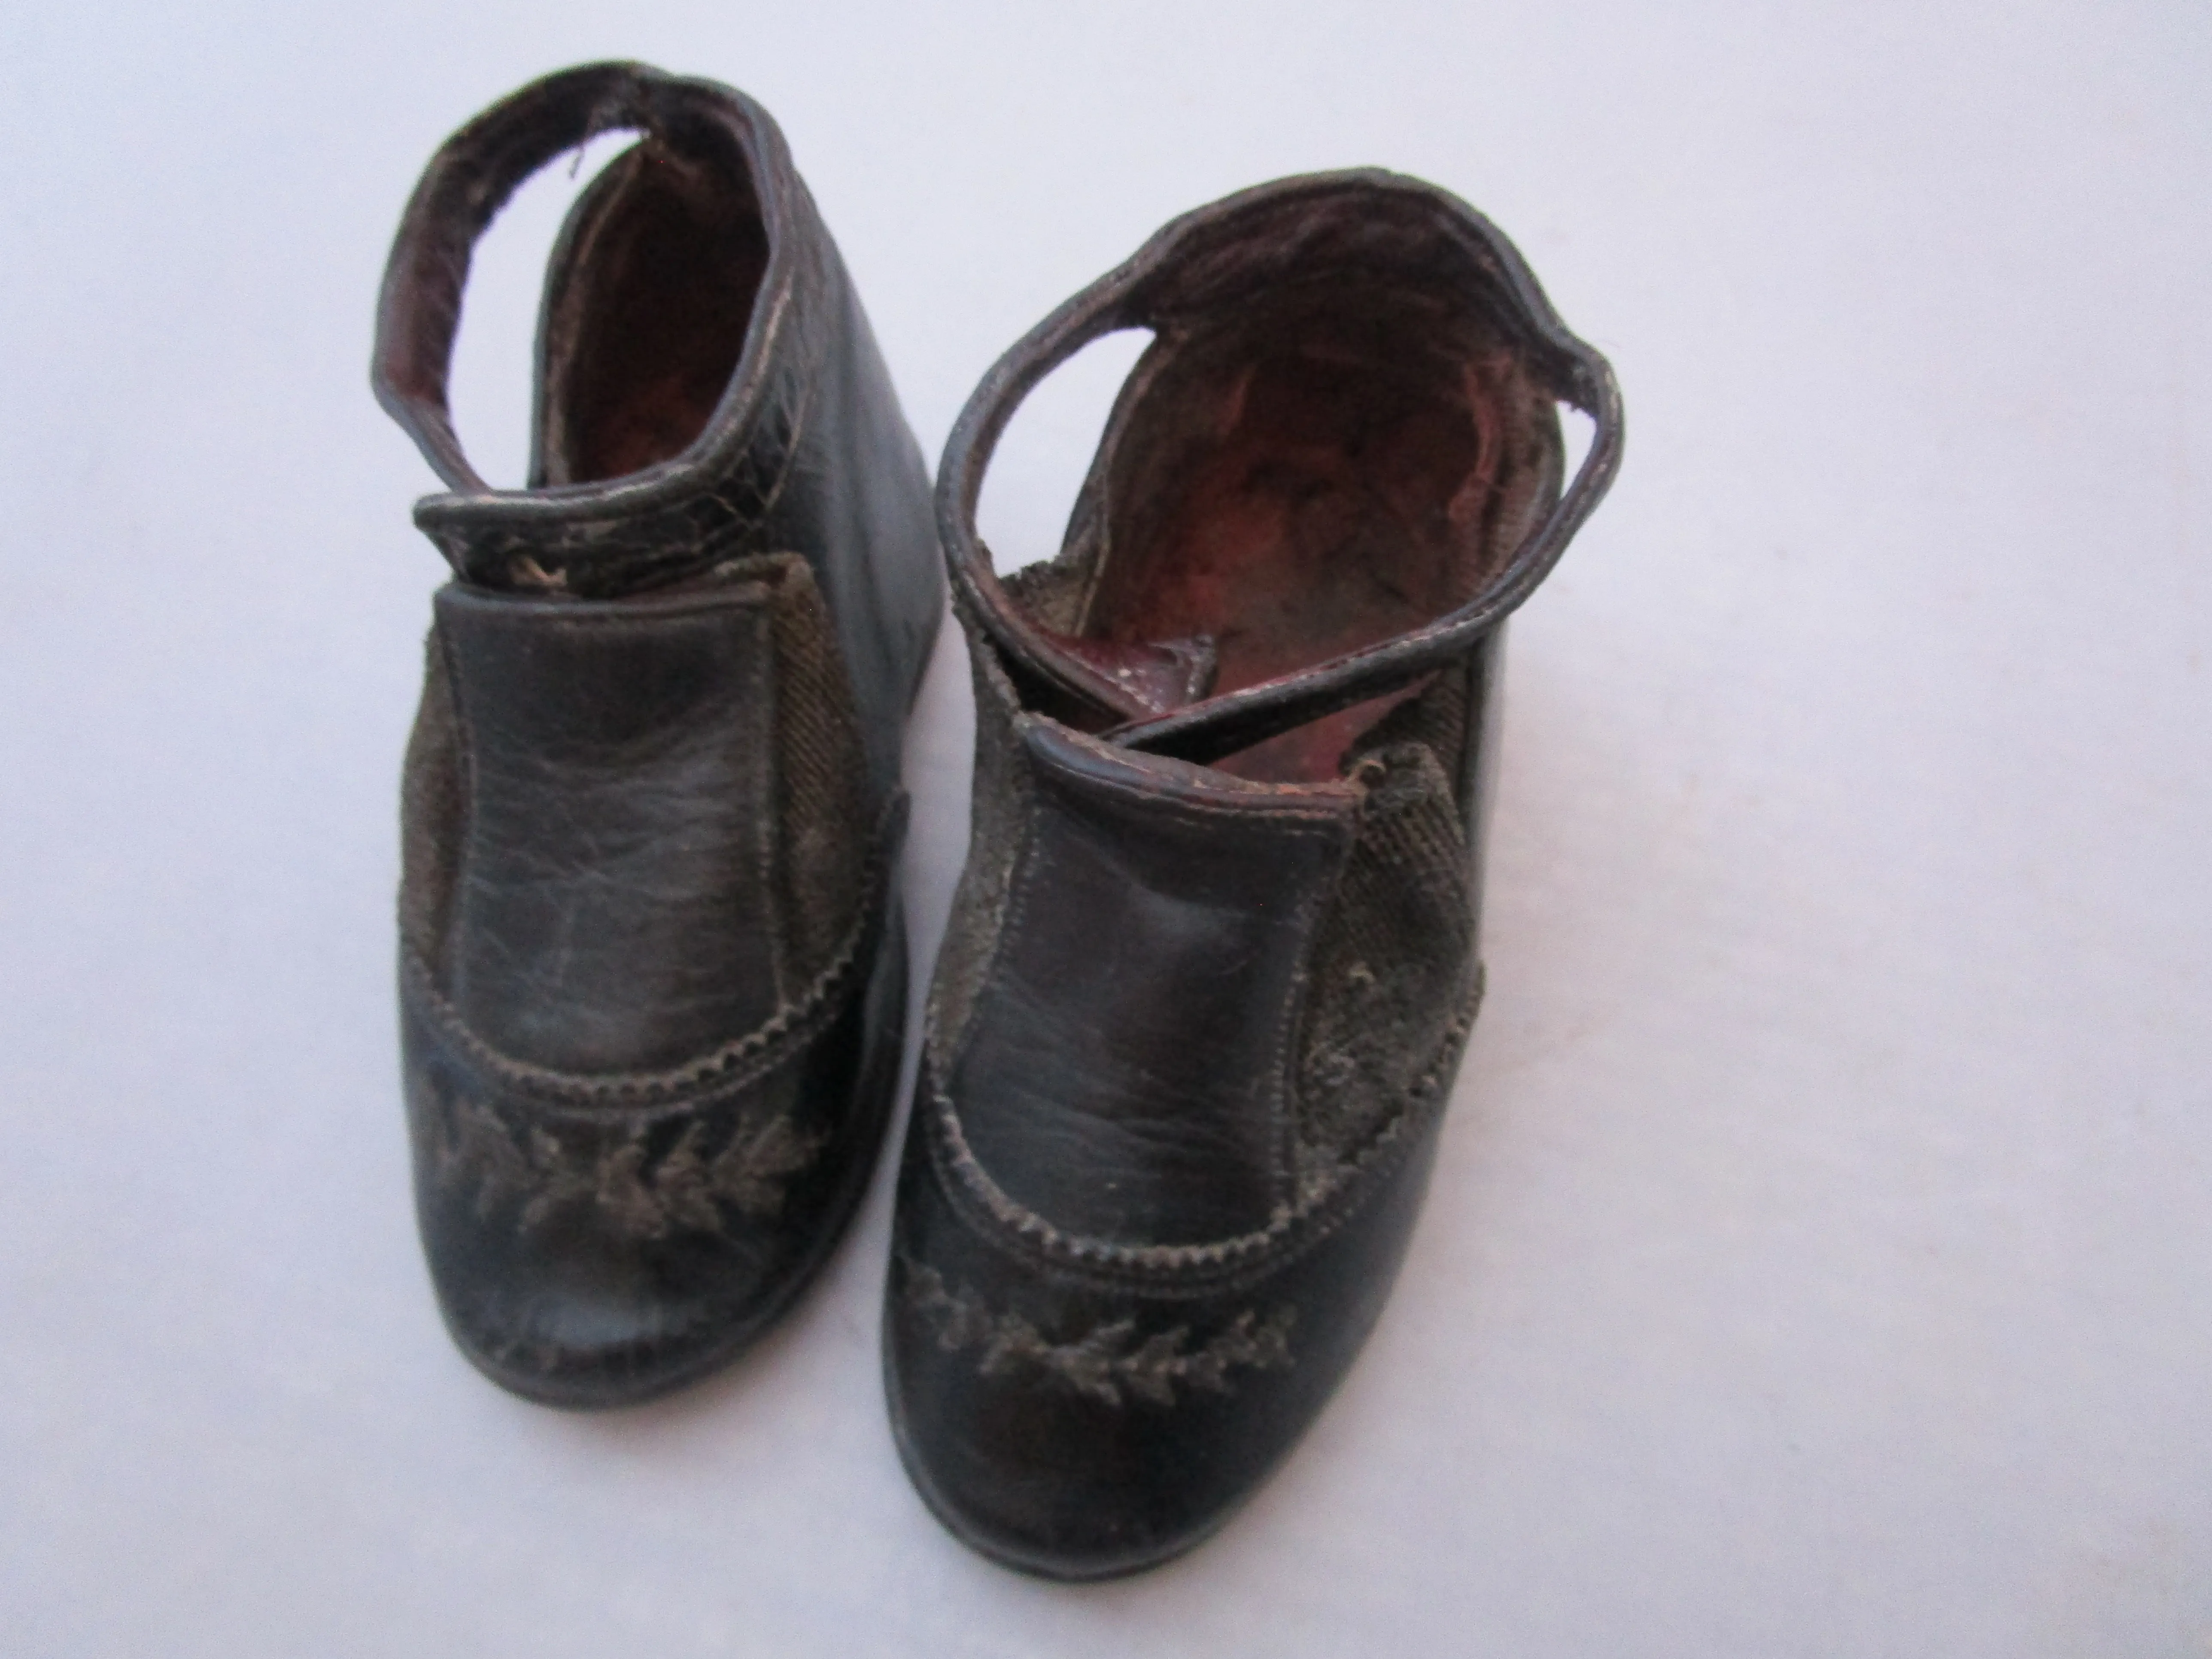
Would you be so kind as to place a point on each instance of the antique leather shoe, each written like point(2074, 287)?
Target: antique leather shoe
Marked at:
point(1211, 962)
point(653, 962)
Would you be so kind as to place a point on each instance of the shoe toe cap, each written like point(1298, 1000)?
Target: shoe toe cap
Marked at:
point(597, 1251)
point(1084, 1418)
point(569, 1316)
point(1067, 1480)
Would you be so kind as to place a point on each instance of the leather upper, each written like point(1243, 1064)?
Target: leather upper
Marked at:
point(632, 927)
point(807, 450)
point(652, 963)
point(1136, 1019)
point(1191, 1034)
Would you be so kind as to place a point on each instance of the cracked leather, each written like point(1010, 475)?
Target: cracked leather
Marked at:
point(1149, 900)
point(643, 1099)
point(1126, 1274)
point(615, 868)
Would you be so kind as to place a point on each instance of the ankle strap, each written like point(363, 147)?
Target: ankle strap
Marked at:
point(470, 180)
point(1195, 263)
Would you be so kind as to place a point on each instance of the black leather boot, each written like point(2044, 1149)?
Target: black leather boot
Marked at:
point(651, 959)
point(1211, 964)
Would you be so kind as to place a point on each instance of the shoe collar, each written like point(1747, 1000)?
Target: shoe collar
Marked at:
point(1211, 259)
point(546, 538)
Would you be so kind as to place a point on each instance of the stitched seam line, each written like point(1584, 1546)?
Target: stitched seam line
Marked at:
point(748, 1057)
point(1061, 779)
point(750, 603)
point(1311, 909)
point(1293, 825)
point(802, 410)
point(1019, 882)
point(1020, 784)
point(998, 1220)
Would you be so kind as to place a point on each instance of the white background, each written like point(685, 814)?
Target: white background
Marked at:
point(1821, 1257)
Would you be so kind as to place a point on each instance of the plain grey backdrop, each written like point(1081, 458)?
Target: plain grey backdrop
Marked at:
point(1820, 1261)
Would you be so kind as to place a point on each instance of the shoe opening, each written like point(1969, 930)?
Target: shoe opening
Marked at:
point(649, 298)
point(1315, 468)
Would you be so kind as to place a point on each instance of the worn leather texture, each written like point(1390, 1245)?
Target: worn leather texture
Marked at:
point(1203, 932)
point(1191, 1032)
point(624, 931)
point(653, 960)
point(808, 451)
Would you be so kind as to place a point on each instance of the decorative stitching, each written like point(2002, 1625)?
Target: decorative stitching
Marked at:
point(1110, 1358)
point(999, 906)
point(536, 1173)
point(792, 1023)
point(1334, 803)
point(1322, 1203)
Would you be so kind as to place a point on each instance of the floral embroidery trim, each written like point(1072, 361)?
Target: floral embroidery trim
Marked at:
point(1110, 1359)
point(541, 1173)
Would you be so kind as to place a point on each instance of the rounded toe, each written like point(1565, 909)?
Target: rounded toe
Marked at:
point(593, 1255)
point(1052, 1483)
point(1081, 1419)
point(579, 1322)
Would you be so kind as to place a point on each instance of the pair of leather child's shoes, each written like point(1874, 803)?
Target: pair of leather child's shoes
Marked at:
point(1212, 962)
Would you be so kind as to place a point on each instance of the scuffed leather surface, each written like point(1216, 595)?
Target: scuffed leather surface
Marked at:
point(1128, 1070)
point(1122, 1287)
point(597, 1241)
point(808, 452)
point(1080, 1470)
point(1116, 1301)
point(642, 1108)
point(616, 905)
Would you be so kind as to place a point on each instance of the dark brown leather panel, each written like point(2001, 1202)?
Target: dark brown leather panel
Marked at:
point(594, 1245)
point(1084, 1423)
point(1126, 1074)
point(1086, 1397)
point(653, 965)
point(616, 908)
